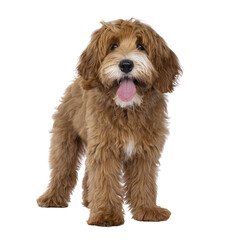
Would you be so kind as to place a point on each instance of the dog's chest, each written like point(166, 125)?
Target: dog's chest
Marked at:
point(129, 148)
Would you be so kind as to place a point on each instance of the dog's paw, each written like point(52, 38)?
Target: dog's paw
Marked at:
point(154, 214)
point(105, 219)
point(51, 201)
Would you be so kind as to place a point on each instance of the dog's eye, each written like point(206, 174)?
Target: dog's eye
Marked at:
point(114, 46)
point(140, 47)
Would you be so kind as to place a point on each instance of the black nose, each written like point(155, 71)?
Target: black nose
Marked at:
point(126, 66)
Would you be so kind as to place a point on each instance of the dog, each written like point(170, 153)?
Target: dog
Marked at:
point(115, 112)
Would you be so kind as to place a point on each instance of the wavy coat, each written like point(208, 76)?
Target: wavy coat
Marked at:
point(117, 140)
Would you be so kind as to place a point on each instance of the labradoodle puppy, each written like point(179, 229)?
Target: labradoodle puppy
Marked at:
point(115, 112)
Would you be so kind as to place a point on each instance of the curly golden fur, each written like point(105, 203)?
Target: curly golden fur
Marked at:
point(119, 137)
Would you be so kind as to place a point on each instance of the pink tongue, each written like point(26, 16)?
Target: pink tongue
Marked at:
point(126, 90)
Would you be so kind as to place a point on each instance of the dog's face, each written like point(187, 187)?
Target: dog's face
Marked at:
point(127, 59)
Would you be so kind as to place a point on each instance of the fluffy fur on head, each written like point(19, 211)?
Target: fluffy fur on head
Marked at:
point(115, 112)
point(156, 65)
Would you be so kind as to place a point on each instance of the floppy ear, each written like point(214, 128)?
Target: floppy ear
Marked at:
point(167, 65)
point(89, 62)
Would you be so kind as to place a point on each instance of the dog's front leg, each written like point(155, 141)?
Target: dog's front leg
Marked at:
point(104, 189)
point(141, 189)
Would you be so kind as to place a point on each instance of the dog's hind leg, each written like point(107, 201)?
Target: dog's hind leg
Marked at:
point(66, 146)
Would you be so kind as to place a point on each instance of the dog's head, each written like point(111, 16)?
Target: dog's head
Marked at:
point(129, 58)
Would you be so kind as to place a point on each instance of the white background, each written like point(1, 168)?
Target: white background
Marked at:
point(199, 175)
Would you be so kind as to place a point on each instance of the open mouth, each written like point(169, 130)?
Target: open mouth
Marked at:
point(127, 89)
point(135, 81)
